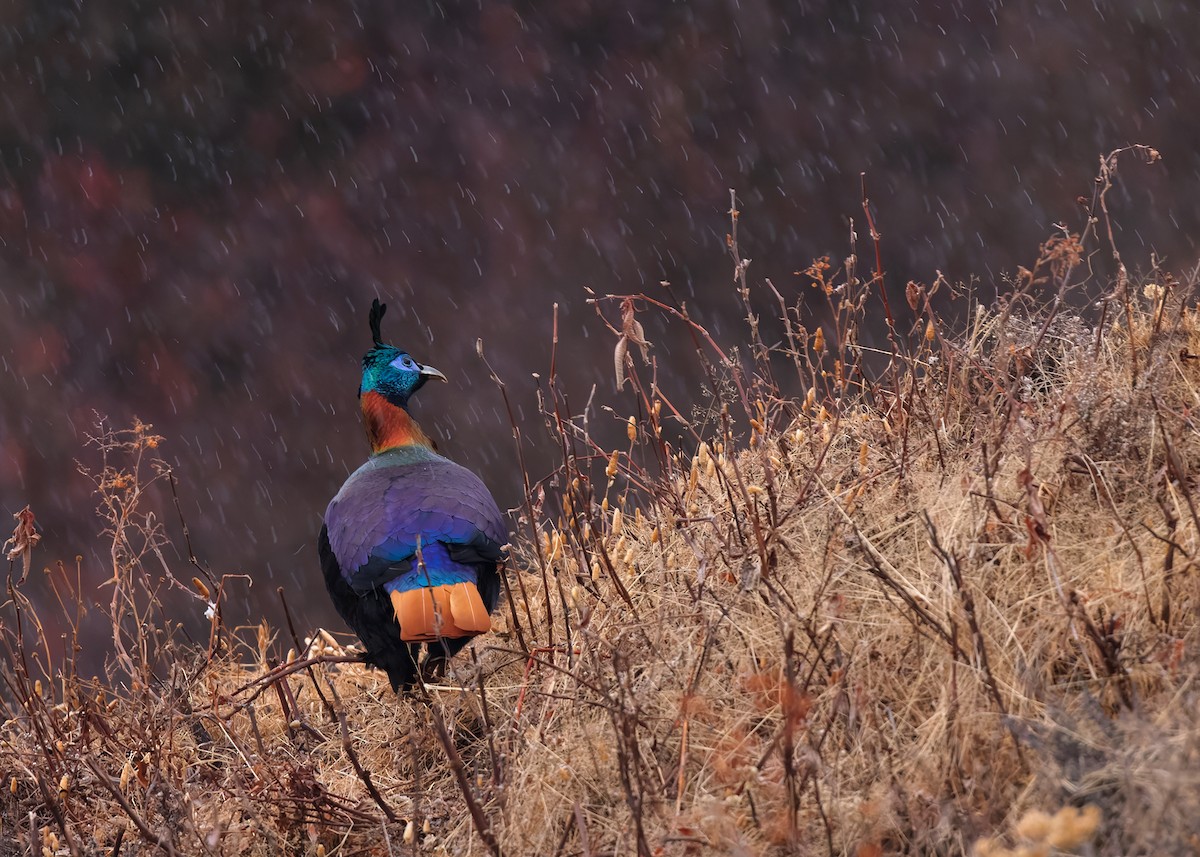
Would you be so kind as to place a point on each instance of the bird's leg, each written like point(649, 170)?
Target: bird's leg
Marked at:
point(433, 670)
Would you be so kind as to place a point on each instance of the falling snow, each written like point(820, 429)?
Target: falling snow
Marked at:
point(198, 201)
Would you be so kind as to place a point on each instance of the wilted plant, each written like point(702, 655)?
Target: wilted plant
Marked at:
point(947, 587)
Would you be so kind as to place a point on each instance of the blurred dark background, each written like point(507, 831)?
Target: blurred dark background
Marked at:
point(199, 198)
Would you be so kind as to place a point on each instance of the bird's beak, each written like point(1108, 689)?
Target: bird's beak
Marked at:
point(430, 372)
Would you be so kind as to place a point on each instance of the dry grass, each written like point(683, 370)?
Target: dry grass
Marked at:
point(950, 609)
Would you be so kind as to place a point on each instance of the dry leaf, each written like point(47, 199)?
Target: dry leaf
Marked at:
point(912, 293)
point(23, 540)
point(620, 355)
point(631, 331)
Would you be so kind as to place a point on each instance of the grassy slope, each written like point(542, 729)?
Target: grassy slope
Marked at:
point(866, 623)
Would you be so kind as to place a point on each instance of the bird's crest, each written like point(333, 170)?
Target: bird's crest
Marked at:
point(376, 316)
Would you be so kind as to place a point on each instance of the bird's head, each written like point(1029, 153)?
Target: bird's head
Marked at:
point(390, 372)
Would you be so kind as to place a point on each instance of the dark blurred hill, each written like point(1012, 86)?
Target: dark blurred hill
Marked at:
point(199, 199)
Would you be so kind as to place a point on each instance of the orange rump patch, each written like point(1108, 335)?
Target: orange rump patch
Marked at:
point(467, 608)
point(448, 611)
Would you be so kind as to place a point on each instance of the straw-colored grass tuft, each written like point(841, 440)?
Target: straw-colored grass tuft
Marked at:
point(949, 609)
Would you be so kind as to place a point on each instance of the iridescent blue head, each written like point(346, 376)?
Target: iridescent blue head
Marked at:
point(390, 372)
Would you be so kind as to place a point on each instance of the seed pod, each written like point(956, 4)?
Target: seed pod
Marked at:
point(631, 429)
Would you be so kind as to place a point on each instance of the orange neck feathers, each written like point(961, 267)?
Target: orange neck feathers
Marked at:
point(389, 426)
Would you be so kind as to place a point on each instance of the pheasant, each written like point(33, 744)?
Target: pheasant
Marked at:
point(411, 544)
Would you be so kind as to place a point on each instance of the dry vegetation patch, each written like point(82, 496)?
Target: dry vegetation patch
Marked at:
point(950, 606)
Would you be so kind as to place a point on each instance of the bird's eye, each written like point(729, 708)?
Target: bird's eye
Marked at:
point(404, 362)
point(408, 363)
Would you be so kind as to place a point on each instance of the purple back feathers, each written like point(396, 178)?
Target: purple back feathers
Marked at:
point(403, 495)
